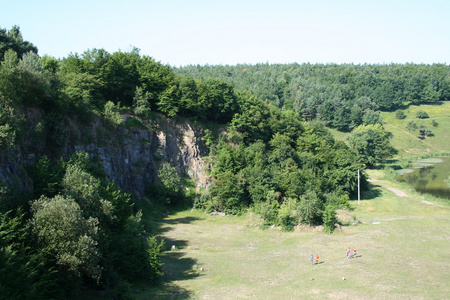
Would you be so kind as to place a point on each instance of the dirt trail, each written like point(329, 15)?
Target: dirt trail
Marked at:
point(396, 191)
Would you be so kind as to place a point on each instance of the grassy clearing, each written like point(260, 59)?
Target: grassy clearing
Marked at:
point(402, 245)
point(408, 142)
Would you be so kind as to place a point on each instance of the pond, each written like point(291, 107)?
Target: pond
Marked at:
point(428, 176)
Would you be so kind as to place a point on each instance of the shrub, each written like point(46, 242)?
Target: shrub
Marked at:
point(155, 252)
point(112, 113)
point(422, 115)
point(400, 114)
point(411, 126)
point(329, 218)
point(287, 214)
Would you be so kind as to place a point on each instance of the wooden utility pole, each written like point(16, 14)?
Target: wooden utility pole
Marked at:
point(359, 193)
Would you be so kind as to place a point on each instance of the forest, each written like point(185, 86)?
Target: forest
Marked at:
point(69, 229)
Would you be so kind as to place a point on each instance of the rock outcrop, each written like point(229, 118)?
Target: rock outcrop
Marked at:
point(130, 156)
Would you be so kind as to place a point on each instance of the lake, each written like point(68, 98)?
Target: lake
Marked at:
point(427, 176)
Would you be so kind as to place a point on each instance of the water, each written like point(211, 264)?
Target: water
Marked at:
point(427, 176)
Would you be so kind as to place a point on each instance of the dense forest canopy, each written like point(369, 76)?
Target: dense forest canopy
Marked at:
point(341, 96)
point(265, 126)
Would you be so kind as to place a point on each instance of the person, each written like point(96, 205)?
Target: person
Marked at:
point(354, 253)
point(312, 259)
point(317, 258)
point(348, 252)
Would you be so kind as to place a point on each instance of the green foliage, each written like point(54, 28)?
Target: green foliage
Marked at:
point(425, 131)
point(12, 40)
point(371, 143)
point(400, 114)
point(422, 115)
point(112, 113)
point(287, 214)
point(310, 209)
point(411, 126)
point(329, 218)
point(46, 178)
point(228, 193)
point(66, 236)
point(171, 187)
point(155, 251)
point(141, 102)
point(8, 124)
point(23, 273)
point(269, 209)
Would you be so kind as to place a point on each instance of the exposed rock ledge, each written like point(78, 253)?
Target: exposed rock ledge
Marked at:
point(130, 157)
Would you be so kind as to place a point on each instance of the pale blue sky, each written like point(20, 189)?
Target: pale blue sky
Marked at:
point(182, 32)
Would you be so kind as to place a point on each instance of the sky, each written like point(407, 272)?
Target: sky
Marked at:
point(191, 32)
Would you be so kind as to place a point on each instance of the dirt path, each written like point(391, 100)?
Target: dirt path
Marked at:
point(398, 192)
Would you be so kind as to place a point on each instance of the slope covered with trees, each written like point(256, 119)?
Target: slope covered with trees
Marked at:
point(69, 228)
point(342, 96)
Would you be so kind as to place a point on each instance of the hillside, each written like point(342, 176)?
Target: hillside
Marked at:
point(409, 143)
point(96, 147)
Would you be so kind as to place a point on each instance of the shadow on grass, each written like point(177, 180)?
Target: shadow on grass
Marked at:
point(176, 266)
point(373, 191)
point(166, 221)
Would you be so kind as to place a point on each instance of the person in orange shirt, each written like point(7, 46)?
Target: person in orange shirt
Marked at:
point(317, 258)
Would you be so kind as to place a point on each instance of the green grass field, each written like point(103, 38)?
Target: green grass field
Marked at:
point(403, 253)
point(403, 242)
point(407, 142)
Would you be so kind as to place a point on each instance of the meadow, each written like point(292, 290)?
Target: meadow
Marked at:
point(408, 143)
point(402, 241)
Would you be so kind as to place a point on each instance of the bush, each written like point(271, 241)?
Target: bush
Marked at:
point(155, 252)
point(400, 114)
point(287, 214)
point(422, 115)
point(329, 218)
point(269, 212)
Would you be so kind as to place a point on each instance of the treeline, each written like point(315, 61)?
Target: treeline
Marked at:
point(79, 232)
point(76, 230)
point(342, 96)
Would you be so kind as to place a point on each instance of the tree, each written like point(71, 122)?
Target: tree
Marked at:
point(141, 102)
point(216, 101)
point(411, 126)
point(228, 192)
point(66, 236)
point(112, 113)
point(400, 114)
point(422, 114)
point(23, 271)
point(371, 143)
point(171, 185)
point(13, 40)
point(310, 208)
point(252, 120)
point(329, 218)
point(371, 117)
point(425, 131)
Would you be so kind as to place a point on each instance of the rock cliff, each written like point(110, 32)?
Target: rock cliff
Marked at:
point(130, 155)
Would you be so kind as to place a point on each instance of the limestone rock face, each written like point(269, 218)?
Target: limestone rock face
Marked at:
point(130, 156)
